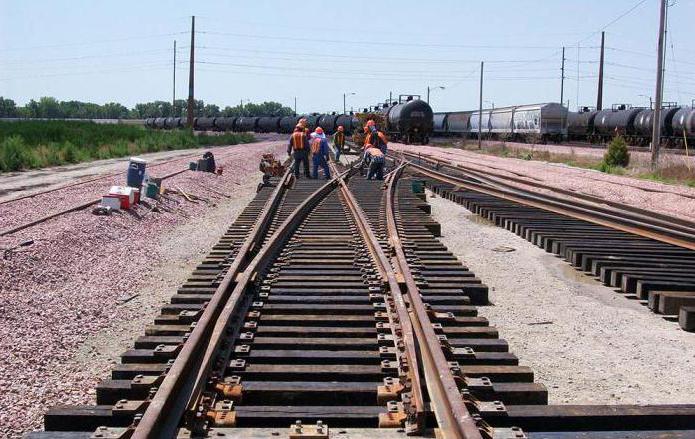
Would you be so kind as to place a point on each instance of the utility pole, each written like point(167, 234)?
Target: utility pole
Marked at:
point(241, 107)
point(599, 97)
point(428, 94)
point(656, 131)
point(295, 105)
point(191, 63)
point(173, 95)
point(562, 81)
point(390, 97)
point(578, 76)
point(480, 109)
point(344, 105)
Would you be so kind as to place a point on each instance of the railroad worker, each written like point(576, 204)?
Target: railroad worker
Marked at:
point(376, 163)
point(319, 153)
point(305, 126)
point(375, 137)
point(339, 142)
point(298, 147)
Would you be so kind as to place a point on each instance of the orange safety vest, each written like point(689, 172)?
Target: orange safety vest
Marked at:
point(298, 140)
point(315, 145)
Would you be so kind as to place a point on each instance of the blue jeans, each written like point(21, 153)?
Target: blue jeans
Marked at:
point(338, 151)
point(319, 160)
point(376, 168)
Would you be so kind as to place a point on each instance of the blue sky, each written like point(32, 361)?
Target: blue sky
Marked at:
point(121, 51)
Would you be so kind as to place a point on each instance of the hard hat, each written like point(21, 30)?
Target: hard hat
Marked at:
point(318, 130)
point(340, 128)
point(370, 123)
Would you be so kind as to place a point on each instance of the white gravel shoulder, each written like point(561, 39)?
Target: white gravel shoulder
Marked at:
point(585, 342)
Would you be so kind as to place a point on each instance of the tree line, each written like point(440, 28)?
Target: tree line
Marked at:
point(49, 107)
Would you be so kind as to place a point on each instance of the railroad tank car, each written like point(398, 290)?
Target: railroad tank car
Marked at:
point(410, 121)
point(170, 123)
point(618, 120)
point(349, 122)
point(683, 121)
point(246, 123)
point(581, 123)
point(181, 122)
point(327, 122)
point(548, 121)
point(458, 123)
point(644, 125)
point(159, 122)
point(288, 123)
point(225, 123)
point(149, 122)
point(269, 124)
point(204, 123)
point(439, 125)
point(312, 121)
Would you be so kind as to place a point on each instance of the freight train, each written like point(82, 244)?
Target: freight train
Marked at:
point(553, 122)
point(537, 122)
point(409, 121)
point(634, 124)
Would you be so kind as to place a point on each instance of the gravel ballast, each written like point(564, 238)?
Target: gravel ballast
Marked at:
point(80, 295)
point(586, 343)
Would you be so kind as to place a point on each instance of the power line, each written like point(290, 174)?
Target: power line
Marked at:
point(92, 42)
point(373, 42)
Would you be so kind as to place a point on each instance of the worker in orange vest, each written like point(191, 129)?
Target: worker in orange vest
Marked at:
point(298, 148)
point(319, 153)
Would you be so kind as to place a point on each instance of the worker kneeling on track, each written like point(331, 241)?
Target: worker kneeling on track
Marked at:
point(319, 153)
point(298, 148)
point(376, 162)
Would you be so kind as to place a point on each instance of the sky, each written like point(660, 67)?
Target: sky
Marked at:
point(262, 50)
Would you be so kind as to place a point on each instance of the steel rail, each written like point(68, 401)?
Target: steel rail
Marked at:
point(658, 219)
point(568, 208)
point(245, 279)
point(163, 414)
point(452, 415)
point(416, 420)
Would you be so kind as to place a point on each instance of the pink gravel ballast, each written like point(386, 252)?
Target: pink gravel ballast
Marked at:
point(66, 286)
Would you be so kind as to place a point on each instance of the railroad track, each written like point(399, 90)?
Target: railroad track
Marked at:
point(644, 255)
point(331, 309)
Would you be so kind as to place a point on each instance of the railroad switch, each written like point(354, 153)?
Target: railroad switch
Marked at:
point(111, 433)
point(301, 431)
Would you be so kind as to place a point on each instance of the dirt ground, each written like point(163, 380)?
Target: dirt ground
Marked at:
point(585, 342)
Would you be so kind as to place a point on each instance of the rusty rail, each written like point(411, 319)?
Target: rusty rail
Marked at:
point(162, 416)
point(407, 354)
point(572, 208)
point(453, 418)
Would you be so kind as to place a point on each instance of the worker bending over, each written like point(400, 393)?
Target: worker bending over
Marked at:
point(319, 153)
point(339, 142)
point(376, 162)
point(375, 137)
point(299, 149)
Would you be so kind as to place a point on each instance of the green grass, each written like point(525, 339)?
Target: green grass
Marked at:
point(38, 144)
